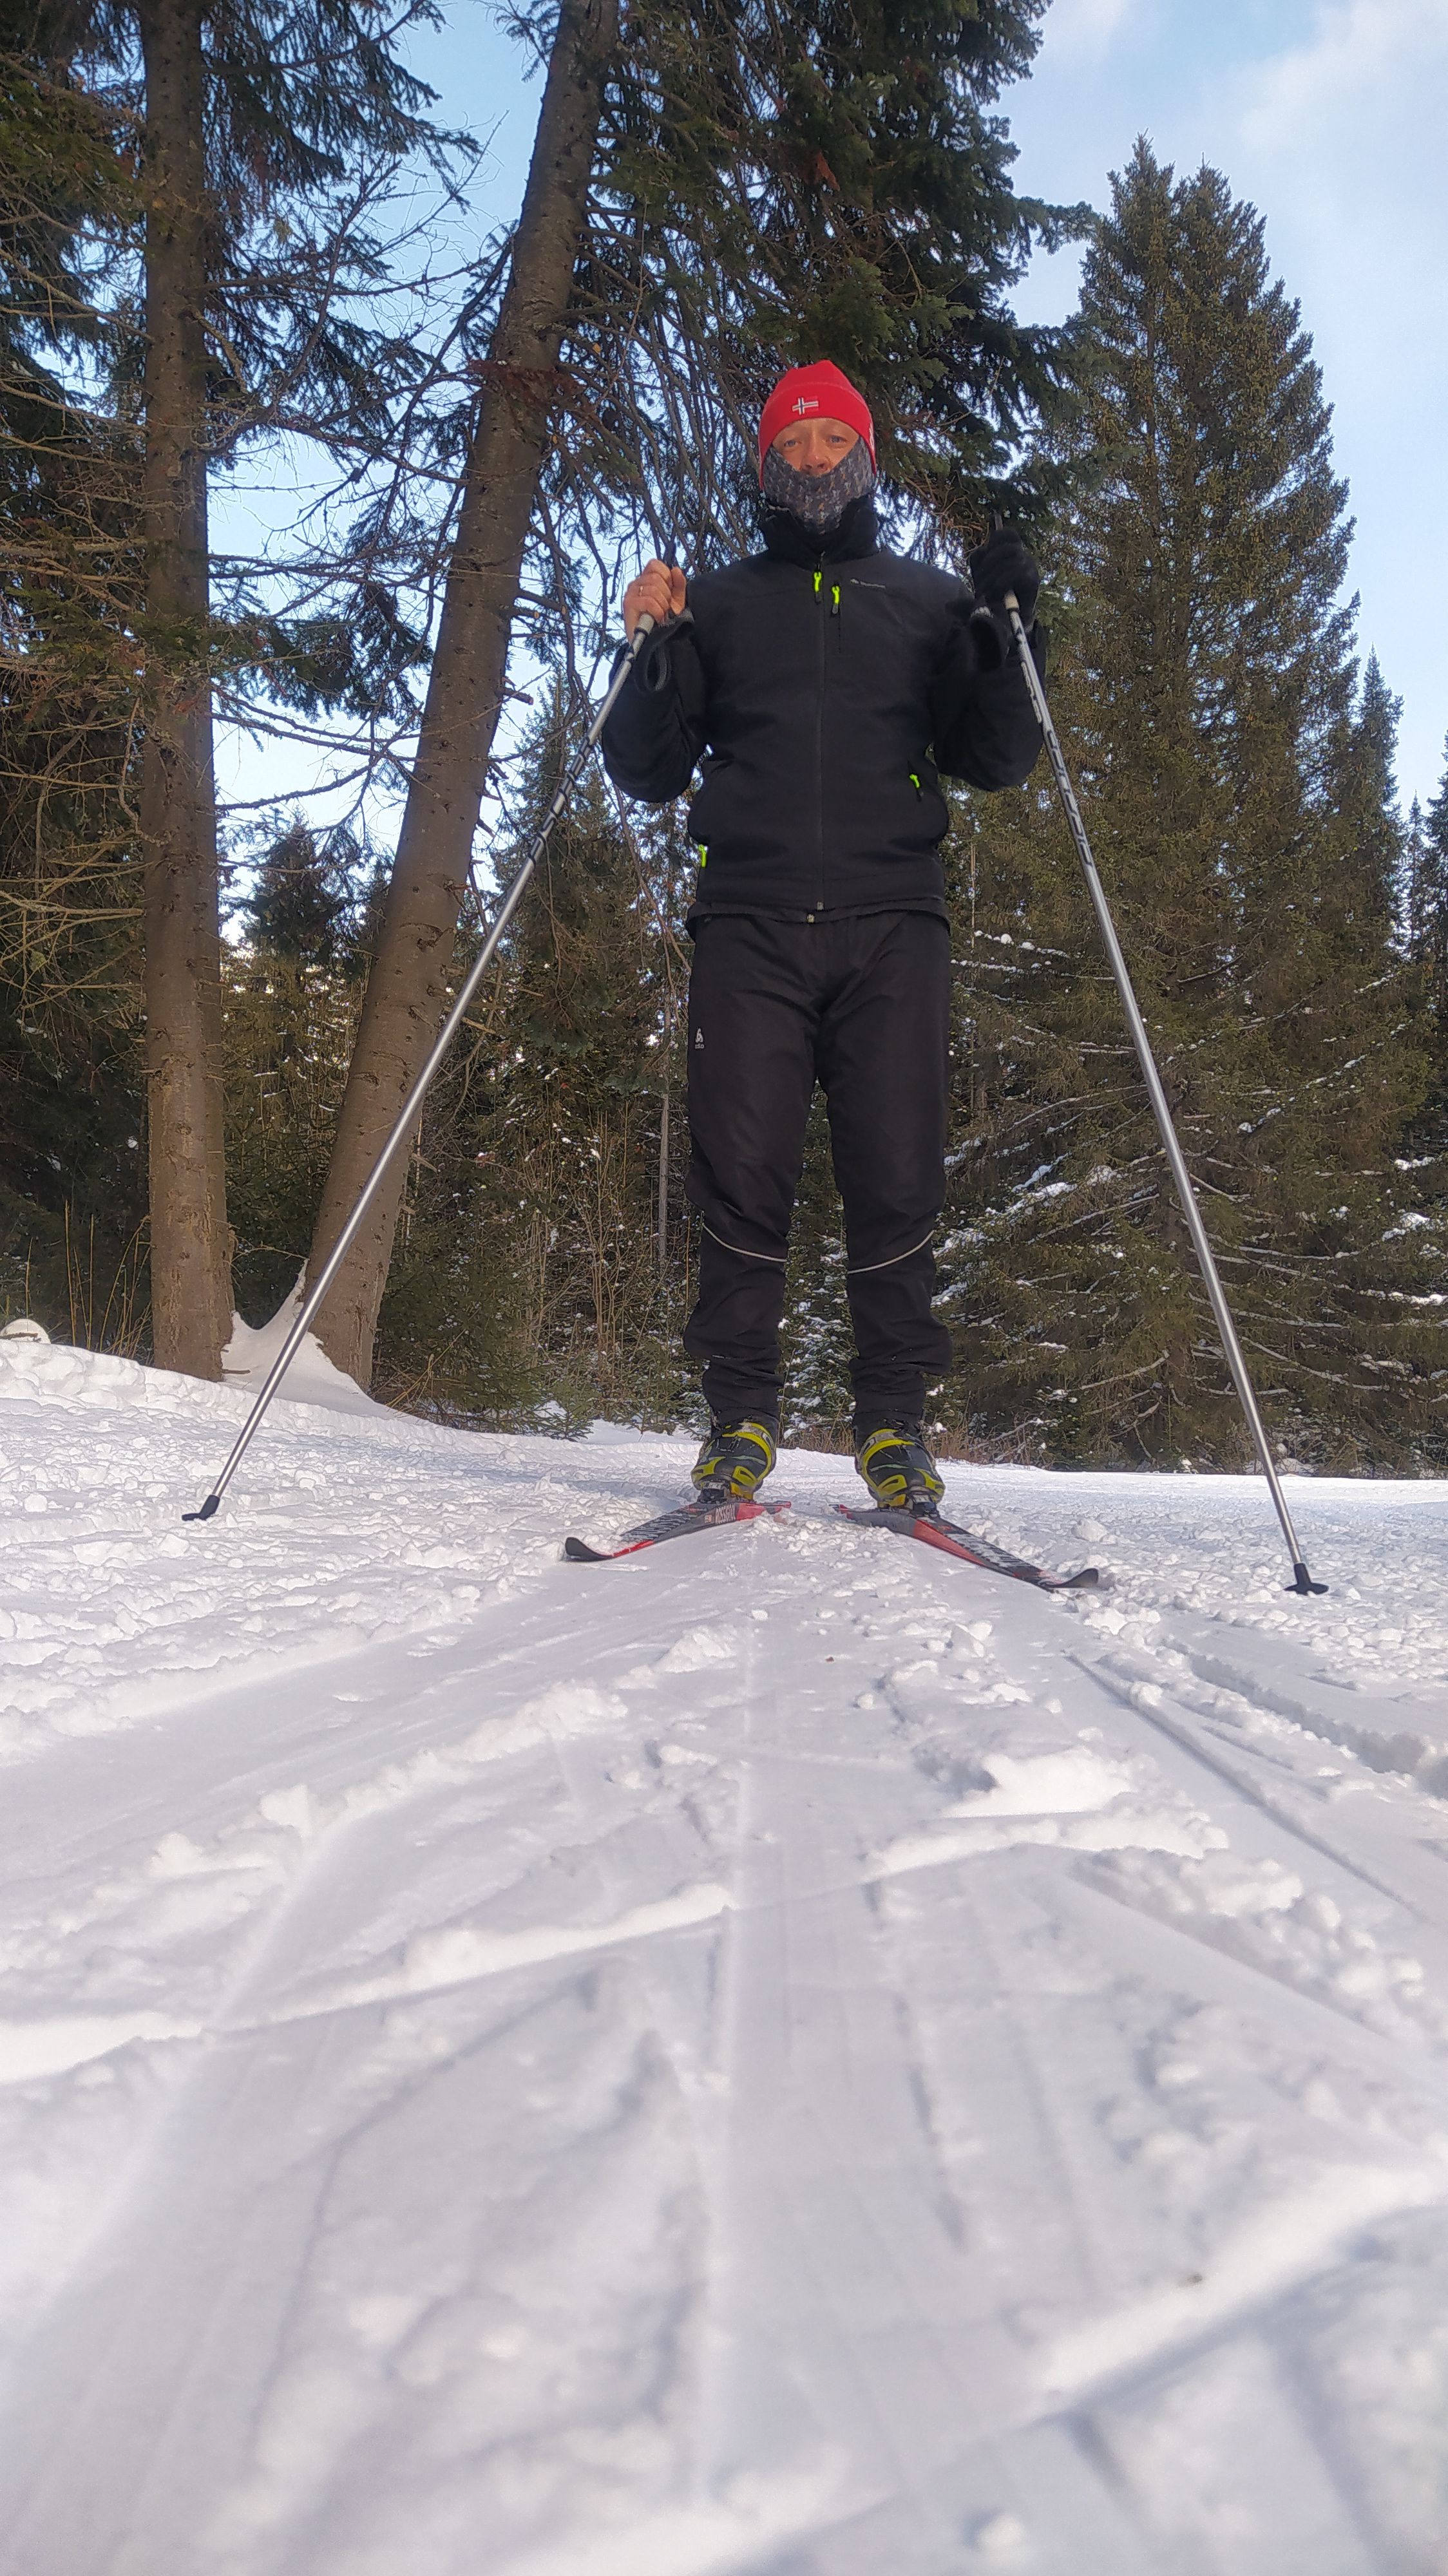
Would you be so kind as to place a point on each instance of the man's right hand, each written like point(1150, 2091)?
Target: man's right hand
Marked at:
point(659, 592)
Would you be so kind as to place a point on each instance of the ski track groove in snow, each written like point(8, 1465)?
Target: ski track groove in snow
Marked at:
point(784, 2057)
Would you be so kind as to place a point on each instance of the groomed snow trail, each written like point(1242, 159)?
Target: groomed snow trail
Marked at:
point(782, 2056)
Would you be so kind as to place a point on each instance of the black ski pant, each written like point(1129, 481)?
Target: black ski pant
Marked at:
point(860, 1005)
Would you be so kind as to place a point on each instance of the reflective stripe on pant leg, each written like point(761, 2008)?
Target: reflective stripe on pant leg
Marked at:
point(778, 1258)
point(861, 1269)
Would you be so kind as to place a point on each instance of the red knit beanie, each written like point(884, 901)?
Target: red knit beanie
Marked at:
point(814, 393)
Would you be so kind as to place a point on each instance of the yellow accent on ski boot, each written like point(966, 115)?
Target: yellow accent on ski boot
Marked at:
point(899, 1470)
point(735, 1459)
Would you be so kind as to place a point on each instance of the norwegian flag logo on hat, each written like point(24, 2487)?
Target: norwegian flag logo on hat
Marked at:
point(821, 390)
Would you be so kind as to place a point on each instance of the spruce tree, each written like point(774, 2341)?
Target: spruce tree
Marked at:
point(301, 899)
point(1425, 932)
point(580, 1042)
point(292, 975)
point(782, 185)
point(1241, 811)
point(1428, 914)
point(1365, 795)
point(71, 1115)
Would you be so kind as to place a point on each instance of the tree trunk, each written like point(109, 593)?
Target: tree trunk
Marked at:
point(190, 1245)
point(407, 987)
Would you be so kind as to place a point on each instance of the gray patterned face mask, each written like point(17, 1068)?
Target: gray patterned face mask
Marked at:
point(818, 501)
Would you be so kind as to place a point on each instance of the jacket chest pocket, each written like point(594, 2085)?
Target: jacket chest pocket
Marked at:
point(868, 608)
point(882, 658)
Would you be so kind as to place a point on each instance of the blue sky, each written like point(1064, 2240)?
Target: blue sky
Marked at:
point(1329, 116)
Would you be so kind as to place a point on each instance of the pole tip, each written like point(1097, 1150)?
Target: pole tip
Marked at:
point(208, 1511)
point(1302, 1581)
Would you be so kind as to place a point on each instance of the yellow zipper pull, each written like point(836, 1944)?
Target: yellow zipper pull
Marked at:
point(819, 577)
point(834, 599)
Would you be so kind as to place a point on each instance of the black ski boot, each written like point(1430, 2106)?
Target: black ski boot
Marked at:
point(898, 1468)
point(735, 1459)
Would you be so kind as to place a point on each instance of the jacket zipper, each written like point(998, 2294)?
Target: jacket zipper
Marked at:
point(820, 734)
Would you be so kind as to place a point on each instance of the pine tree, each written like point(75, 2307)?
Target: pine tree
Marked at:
point(1205, 691)
point(556, 1122)
point(291, 994)
point(778, 186)
point(1425, 932)
point(1365, 794)
point(301, 900)
point(1427, 924)
point(71, 1115)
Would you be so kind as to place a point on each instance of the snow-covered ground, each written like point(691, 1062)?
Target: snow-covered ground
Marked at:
point(782, 2055)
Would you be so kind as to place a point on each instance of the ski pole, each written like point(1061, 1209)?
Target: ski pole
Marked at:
point(1201, 1245)
point(416, 1096)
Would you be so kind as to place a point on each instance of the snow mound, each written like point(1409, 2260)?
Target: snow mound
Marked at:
point(43, 1372)
point(311, 1377)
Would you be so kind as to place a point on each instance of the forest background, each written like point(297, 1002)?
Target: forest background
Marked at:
point(239, 250)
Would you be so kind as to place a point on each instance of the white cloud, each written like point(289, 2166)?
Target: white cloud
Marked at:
point(1082, 27)
point(1356, 115)
point(1339, 141)
point(1328, 115)
point(1356, 56)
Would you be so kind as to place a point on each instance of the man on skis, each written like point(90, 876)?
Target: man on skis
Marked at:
point(821, 686)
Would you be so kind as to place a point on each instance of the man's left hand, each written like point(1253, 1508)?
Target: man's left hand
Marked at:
point(1005, 562)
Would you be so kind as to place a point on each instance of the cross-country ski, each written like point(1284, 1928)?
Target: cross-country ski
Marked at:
point(927, 1526)
point(683, 1522)
point(933, 1530)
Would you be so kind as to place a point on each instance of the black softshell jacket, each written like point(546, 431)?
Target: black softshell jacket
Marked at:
point(821, 695)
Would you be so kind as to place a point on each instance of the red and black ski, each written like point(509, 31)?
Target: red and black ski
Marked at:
point(677, 1524)
point(964, 1543)
point(930, 1530)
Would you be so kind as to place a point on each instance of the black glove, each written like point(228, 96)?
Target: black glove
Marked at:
point(1005, 562)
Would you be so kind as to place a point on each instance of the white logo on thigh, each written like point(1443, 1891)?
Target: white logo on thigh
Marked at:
point(698, 1040)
